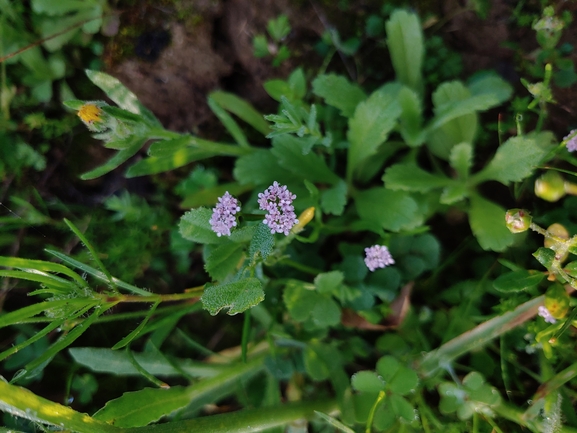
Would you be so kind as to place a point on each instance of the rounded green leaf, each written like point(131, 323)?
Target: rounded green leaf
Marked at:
point(367, 381)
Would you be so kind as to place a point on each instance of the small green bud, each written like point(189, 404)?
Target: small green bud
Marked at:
point(518, 220)
point(557, 301)
point(550, 186)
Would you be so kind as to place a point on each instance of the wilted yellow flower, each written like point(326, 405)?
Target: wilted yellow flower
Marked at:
point(90, 113)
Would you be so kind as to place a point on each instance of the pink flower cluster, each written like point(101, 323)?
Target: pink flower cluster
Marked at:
point(378, 256)
point(572, 143)
point(223, 215)
point(276, 200)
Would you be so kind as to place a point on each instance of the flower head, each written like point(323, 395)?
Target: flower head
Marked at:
point(545, 314)
point(92, 116)
point(277, 201)
point(378, 256)
point(572, 141)
point(223, 218)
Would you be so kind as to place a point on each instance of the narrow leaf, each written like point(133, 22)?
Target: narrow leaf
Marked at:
point(242, 109)
point(126, 340)
point(120, 157)
point(338, 92)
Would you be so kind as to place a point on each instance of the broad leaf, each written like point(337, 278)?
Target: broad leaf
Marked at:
point(487, 222)
point(517, 281)
point(195, 226)
point(392, 210)
point(237, 296)
point(261, 244)
point(223, 260)
point(338, 92)
point(371, 124)
point(410, 177)
point(334, 199)
point(461, 159)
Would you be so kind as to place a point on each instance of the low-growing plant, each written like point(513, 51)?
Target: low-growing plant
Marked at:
point(320, 239)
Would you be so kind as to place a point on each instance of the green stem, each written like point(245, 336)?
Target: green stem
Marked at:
point(380, 398)
point(477, 337)
point(245, 334)
point(244, 421)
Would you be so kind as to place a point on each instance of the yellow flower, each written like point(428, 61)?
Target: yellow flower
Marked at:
point(90, 113)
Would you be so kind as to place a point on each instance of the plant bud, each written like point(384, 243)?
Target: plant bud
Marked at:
point(550, 186)
point(518, 220)
point(304, 218)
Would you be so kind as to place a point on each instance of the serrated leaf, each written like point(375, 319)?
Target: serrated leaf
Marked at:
point(288, 152)
point(514, 160)
point(453, 110)
point(237, 296)
point(367, 381)
point(406, 47)
point(338, 92)
point(223, 260)
point(487, 222)
point(120, 157)
point(371, 124)
point(334, 199)
point(517, 281)
point(261, 244)
point(391, 210)
point(461, 159)
point(195, 226)
point(454, 192)
point(410, 177)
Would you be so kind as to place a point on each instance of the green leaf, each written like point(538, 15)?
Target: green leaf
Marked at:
point(154, 165)
point(242, 109)
point(391, 210)
point(461, 159)
point(338, 92)
point(335, 422)
point(454, 192)
point(517, 281)
point(410, 177)
point(334, 199)
point(487, 222)
point(514, 160)
point(457, 109)
point(411, 118)
point(132, 335)
point(118, 363)
point(168, 148)
point(262, 244)
point(142, 407)
point(51, 281)
point(228, 122)
point(123, 97)
point(260, 168)
point(299, 301)
point(367, 381)
point(25, 404)
point(325, 312)
point(20, 315)
point(288, 153)
point(371, 124)
point(329, 282)
point(135, 143)
point(223, 260)
point(490, 83)
point(401, 407)
point(405, 42)
point(545, 256)
point(195, 226)
point(237, 296)
point(59, 7)
point(404, 381)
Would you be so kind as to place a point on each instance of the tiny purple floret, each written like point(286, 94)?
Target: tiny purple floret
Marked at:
point(378, 256)
point(277, 201)
point(545, 314)
point(223, 218)
point(572, 143)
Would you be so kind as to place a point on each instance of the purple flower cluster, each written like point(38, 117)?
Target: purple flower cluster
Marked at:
point(378, 256)
point(545, 314)
point(572, 143)
point(277, 201)
point(223, 218)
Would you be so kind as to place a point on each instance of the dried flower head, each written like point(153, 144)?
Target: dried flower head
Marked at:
point(277, 201)
point(378, 256)
point(571, 139)
point(223, 215)
point(545, 314)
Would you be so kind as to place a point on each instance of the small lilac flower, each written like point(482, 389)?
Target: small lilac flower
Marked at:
point(572, 143)
point(546, 315)
point(277, 201)
point(378, 256)
point(223, 218)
